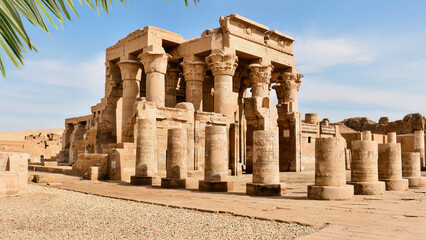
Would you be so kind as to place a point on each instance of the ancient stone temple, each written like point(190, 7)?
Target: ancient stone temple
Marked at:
point(222, 78)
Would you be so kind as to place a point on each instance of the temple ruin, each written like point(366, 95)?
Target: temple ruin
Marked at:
point(222, 78)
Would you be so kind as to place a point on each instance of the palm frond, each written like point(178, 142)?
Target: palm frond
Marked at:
point(14, 39)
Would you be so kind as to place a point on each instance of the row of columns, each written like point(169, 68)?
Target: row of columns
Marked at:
point(222, 65)
point(266, 181)
point(375, 168)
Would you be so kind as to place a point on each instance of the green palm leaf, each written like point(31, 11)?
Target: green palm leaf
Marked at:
point(14, 39)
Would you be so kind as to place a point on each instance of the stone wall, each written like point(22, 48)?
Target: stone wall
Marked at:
point(408, 124)
point(38, 144)
point(13, 172)
point(87, 160)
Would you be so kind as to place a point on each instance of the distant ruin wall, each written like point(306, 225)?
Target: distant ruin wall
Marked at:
point(36, 143)
point(409, 124)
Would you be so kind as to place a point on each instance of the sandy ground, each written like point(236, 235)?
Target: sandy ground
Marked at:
point(50, 213)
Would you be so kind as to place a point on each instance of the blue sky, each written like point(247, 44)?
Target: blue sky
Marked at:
point(359, 58)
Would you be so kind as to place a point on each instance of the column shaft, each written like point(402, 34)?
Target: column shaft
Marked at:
point(223, 67)
point(131, 71)
point(216, 160)
point(176, 153)
point(146, 162)
point(155, 65)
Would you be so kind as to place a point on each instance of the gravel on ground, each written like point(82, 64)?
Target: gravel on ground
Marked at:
point(50, 213)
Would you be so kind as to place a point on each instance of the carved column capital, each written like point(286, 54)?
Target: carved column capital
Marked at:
point(154, 62)
point(260, 73)
point(290, 81)
point(130, 69)
point(193, 70)
point(221, 63)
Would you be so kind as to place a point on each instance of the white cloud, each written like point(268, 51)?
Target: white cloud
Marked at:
point(315, 54)
point(328, 93)
point(88, 74)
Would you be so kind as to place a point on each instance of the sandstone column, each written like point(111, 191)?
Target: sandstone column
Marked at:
point(216, 161)
point(391, 137)
point(176, 166)
point(193, 72)
point(330, 175)
point(364, 171)
point(366, 135)
point(260, 78)
point(312, 118)
point(146, 161)
point(266, 178)
point(390, 167)
point(411, 170)
point(289, 120)
point(419, 145)
point(155, 65)
point(291, 83)
point(131, 71)
point(223, 67)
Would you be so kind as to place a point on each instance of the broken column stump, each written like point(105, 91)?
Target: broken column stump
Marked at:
point(411, 170)
point(330, 175)
point(216, 161)
point(146, 161)
point(176, 159)
point(364, 170)
point(266, 178)
point(390, 167)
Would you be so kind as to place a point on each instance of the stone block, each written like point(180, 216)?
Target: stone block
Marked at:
point(369, 188)
point(18, 163)
point(330, 193)
point(206, 186)
point(9, 183)
point(396, 184)
point(416, 182)
point(48, 163)
point(94, 173)
point(259, 189)
point(173, 183)
point(141, 181)
point(43, 179)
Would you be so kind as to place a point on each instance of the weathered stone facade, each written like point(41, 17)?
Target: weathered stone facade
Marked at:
point(156, 75)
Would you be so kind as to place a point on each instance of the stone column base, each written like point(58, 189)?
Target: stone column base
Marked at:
point(369, 188)
point(259, 189)
point(206, 186)
point(396, 184)
point(141, 181)
point(330, 193)
point(173, 183)
point(416, 182)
